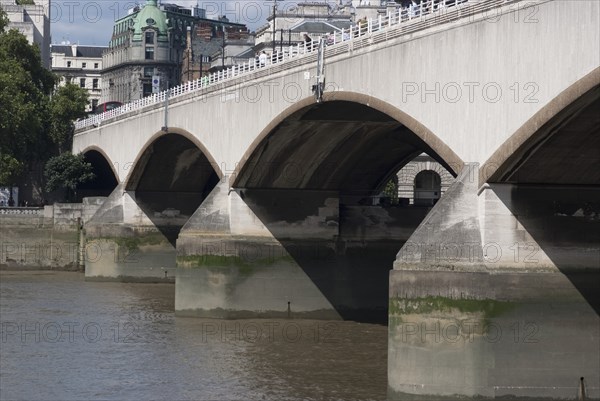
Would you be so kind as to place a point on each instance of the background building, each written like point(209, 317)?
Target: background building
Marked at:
point(289, 24)
point(33, 21)
point(148, 42)
point(151, 42)
point(373, 8)
point(80, 65)
point(213, 45)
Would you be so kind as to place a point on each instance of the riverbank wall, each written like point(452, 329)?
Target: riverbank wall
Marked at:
point(48, 237)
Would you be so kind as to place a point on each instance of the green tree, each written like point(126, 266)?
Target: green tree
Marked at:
point(24, 88)
point(10, 169)
point(36, 120)
point(67, 171)
point(67, 104)
point(391, 190)
point(3, 20)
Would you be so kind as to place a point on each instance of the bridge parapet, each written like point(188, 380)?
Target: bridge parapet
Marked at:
point(404, 21)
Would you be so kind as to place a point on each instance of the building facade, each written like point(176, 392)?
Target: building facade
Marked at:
point(80, 65)
point(213, 45)
point(149, 45)
point(33, 21)
point(288, 24)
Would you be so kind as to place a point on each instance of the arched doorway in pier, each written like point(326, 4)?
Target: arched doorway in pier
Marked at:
point(427, 188)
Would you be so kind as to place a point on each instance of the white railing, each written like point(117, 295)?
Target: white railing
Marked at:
point(404, 20)
point(33, 211)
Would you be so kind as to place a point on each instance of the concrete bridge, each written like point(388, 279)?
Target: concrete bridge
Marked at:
point(253, 195)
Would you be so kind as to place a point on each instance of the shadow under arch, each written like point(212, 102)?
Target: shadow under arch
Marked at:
point(551, 184)
point(438, 149)
point(539, 127)
point(171, 176)
point(313, 178)
point(106, 177)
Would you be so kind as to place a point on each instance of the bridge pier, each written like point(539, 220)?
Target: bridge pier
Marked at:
point(495, 294)
point(124, 244)
point(288, 252)
point(230, 266)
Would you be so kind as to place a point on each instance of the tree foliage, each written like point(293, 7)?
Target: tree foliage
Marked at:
point(67, 171)
point(10, 168)
point(25, 86)
point(391, 189)
point(67, 104)
point(3, 20)
point(36, 118)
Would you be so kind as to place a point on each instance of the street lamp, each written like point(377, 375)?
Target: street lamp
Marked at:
point(223, 50)
point(274, 16)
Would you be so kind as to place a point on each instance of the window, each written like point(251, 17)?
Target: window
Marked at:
point(95, 83)
point(148, 71)
point(95, 65)
point(150, 38)
point(82, 82)
point(147, 89)
point(83, 65)
point(149, 53)
point(68, 64)
point(94, 104)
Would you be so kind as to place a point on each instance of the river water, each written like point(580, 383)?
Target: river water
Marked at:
point(66, 339)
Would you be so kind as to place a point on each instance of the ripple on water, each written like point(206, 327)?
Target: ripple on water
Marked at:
point(142, 351)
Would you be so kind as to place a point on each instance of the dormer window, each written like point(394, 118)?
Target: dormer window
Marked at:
point(150, 38)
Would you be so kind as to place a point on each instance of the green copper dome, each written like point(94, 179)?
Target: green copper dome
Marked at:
point(150, 17)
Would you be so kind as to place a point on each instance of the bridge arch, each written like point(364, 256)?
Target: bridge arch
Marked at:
point(547, 176)
point(434, 145)
point(109, 162)
point(315, 178)
point(130, 180)
point(170, 178)
point(105, 172)
point(581, 96)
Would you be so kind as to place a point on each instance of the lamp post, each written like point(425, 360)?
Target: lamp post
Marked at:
point(223, 50)
point(274, 17)
point(281, 42)
point(189, 53)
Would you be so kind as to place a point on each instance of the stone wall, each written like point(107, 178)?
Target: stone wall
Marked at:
point(44, 238)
